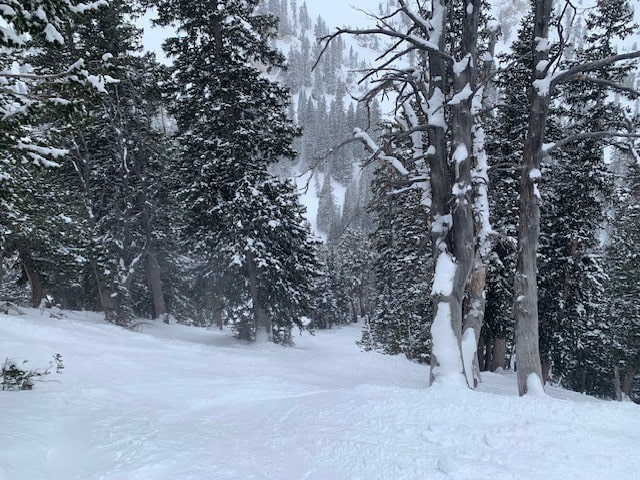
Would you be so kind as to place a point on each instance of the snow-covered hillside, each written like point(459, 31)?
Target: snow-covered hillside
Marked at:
point(180, 403)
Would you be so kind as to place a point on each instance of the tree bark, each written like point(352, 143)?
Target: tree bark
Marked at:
point(525, 283)
point(440, 181)
point(155, 285)
point(627, 383)
point(38, 290)
point(260, 318)
point(498, 353)
point(616, 382)
point(474, 318)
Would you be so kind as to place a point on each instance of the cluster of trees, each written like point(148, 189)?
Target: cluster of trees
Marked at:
point(493, 221)
point(540, 142)
point(162, 201)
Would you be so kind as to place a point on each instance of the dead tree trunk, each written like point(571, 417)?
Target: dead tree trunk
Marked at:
point(525, 283)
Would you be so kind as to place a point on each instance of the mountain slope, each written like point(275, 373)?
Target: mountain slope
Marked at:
point(184, 403)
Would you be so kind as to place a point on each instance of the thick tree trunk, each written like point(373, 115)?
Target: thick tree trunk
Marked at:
point(616, 382)
point(218, 309)
point(525, 283)
point(446, 310)
point(38, 291)
point(260, 318)
point(474, 317)
point(498, 353)
point(627, 383)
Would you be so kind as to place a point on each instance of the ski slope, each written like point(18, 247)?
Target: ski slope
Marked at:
point(182, 403)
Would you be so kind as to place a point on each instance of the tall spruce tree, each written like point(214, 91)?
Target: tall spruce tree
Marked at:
point(401, 268)
point(243, 225)
point(114, 163)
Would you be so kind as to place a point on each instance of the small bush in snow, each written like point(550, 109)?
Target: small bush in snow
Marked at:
point(19, 378)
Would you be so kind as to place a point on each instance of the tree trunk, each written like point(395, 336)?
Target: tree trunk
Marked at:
point(38, 291)
point(155, 285)
point(445, 313)
point(474, 317)
point(525, 283)
point(627, 383)
point(498, 353)
point(616, 382)
point(260, 318)
point(218, 308)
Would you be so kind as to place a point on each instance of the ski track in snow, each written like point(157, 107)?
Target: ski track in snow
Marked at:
point(180, 403)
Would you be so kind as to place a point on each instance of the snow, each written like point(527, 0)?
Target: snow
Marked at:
point(534, 385)
point(469, 348)
point(535, 174)
point(175, 402)
point(462, 96)
point(444, 274)
point(52, 35)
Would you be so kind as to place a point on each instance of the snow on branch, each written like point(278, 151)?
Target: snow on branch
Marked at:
point(377, 152)
point(606, 83)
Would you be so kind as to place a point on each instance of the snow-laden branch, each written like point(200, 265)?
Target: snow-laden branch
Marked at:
point(377, 152)
point(606, 83)
point(34, 76)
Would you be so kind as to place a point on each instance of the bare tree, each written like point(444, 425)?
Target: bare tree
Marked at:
point(436, 106)
point(545, 77)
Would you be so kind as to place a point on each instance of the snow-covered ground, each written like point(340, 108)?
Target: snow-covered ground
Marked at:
point(180, 403)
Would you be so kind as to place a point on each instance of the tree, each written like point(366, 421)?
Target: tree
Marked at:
point(545, 81)
point(401, 269)
point(241, 222)
point(438, 102)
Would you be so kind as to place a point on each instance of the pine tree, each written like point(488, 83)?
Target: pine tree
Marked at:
point(401, 269)
point(572, 270)
point(26, 143)
point(623, 286)
point(242, 223)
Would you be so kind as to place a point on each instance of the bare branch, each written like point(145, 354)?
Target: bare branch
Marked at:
point(591, 66)
point(587, 136)
point(606, 83)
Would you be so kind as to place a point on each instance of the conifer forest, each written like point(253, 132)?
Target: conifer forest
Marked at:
point(459, 178)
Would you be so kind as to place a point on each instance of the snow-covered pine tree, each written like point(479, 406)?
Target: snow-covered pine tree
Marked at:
point(401, 269)
point(505, 138)
point(572, 273)
point(241, 221)
point(116, 156)
point(623, 287)
point(26, 145)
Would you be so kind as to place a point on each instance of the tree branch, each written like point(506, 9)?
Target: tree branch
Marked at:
point(606, 83)
point(587, 136)
point(591, 66)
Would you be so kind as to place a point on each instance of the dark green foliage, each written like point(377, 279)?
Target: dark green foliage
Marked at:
point(16, 377)
point(401, 269)
point(242, 225)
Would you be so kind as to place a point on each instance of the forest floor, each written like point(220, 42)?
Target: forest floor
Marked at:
point(181, 403)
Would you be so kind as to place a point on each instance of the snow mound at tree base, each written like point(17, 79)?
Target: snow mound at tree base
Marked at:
point(175, 402)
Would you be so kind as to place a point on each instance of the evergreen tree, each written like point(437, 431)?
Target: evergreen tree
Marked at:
point(571, 271)
point(401, 269)
point(241, 221)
